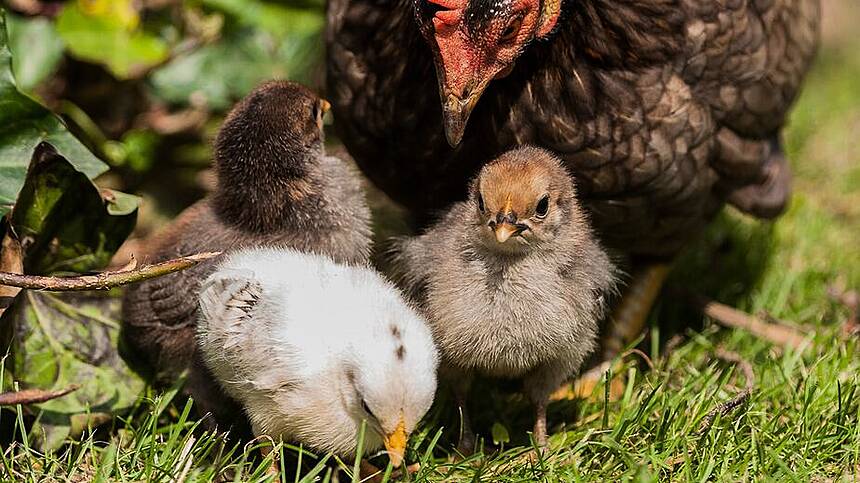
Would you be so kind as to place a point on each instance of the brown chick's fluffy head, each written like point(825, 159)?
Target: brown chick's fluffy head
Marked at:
point(522, 199)
point(266, 154)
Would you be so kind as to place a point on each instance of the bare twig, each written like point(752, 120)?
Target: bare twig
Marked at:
point(737, 401)
point(850, 299)
point(33, 396)
point(672, 344)
point(105, 280)
point(734, 318)
point(131, 265)
point(735, 358)
point(641, 354)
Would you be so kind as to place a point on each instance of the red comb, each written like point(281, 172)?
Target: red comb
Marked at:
point(453, 9)
point(450, 4)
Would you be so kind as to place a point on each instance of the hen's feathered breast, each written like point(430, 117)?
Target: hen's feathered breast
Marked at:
point(662, 109)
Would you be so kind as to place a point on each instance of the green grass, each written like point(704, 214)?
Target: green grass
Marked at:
point(802, 422)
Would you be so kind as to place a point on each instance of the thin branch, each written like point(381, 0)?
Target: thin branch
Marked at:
point(33, 396)
point(641, 354)
point(850, 299)
point(730, 317)
point(105, 280)
point(735, 402)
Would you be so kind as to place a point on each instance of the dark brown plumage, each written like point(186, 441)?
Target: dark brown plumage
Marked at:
point(276, 187)
point(662, 109)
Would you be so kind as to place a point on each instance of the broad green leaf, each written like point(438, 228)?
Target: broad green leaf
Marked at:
point(108, 39)
point(222, 72)
point(62, 219)
point(277, 19)
point(36, 49)
point(66, 339)
point(24, 123)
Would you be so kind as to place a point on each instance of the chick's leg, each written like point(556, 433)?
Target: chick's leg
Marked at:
point(460, 382)
point(625, 324)
point(538, 385)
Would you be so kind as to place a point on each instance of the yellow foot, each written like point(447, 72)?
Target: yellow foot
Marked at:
point(584, 387)
point(625, 325)
point(628, 318)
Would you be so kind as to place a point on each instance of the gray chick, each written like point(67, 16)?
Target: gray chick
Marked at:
point(276, 187)
point(512, 281)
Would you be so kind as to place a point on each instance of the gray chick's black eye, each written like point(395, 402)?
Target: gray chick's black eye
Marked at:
point(480, 202)
point(542, 207)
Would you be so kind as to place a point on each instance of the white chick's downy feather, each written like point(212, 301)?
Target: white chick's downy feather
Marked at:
point(312, 348)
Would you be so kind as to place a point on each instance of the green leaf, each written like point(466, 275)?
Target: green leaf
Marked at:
point(108, 40)
point(24, 123)
point(222, 72)
point(500, 434)
point(36, 49)
point(66, 339)
point(62, 219)
point(277, 19)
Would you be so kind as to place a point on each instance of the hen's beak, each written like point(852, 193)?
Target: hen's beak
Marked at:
point(504, 231)
point(455, 113)
point(395, 443)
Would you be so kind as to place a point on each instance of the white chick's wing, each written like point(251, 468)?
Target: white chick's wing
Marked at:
point(235, 335)
point(227, 302)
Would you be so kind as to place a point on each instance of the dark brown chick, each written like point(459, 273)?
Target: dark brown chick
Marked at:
point(276, 187)
point(512, 280)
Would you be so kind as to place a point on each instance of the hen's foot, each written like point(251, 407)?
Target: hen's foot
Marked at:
point(625, 325)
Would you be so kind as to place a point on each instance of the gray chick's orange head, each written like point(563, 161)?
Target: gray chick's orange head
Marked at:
point(523, 198)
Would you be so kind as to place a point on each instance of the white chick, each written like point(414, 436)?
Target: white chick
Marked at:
point(311, 348)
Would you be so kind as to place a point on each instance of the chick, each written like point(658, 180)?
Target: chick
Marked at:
point(512, 280)
point(275, 186)
point(312, 348)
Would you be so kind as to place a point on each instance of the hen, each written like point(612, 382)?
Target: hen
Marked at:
point(661, 109)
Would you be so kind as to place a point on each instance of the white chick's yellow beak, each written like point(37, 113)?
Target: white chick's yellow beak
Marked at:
point(504, 231)
point(395, 443)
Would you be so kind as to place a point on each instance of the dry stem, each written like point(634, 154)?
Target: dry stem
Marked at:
point(105, 280)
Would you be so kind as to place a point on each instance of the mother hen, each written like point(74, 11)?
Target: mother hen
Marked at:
point(663, 110)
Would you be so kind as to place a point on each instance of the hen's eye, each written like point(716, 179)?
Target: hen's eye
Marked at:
point(542, 207)
point(480, 202)
point(511, 31)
